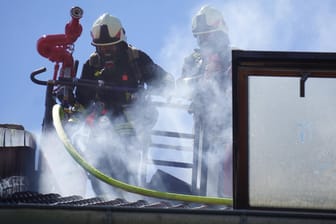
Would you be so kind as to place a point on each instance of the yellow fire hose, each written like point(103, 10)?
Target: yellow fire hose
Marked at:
point(56, 113)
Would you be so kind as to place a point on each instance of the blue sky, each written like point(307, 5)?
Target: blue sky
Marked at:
point(160, 28)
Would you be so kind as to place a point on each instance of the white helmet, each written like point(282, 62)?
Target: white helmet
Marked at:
point(107, 30)
point(208, 20)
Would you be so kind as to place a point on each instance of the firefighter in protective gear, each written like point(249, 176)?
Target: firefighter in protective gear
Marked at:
point(135, 74)
point(207, 74)
point(117, 62)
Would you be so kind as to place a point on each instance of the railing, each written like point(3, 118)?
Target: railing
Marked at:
point(175, 146)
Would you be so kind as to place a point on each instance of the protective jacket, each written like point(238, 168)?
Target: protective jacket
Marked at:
point(133, 70)
point(209, 80)
point(211, 105)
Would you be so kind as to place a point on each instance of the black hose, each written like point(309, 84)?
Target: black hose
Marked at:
point(78, 82)
point(35, 73)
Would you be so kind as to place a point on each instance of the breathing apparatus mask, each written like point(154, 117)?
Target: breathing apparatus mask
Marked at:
point(108, 54)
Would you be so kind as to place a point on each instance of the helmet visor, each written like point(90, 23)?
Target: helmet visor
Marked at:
point(201, 25)
point(102, 36)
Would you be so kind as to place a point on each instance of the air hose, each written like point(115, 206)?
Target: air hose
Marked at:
point(56, 113)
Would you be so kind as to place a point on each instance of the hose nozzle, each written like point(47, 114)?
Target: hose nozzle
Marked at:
point(76, 12)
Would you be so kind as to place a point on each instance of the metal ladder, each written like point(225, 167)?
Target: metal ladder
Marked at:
point(197, 165)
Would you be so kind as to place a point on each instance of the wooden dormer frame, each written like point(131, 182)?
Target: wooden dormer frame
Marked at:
point(300, 65)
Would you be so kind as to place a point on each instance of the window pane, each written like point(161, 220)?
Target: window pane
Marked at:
point(292, 142)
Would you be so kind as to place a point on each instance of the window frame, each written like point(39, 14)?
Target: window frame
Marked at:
point(300, 65)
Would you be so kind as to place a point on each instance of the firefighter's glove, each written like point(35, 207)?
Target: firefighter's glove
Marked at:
point(77, 107)
point(75, 112)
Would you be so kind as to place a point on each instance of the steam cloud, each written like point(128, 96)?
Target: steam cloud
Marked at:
point(254, 24)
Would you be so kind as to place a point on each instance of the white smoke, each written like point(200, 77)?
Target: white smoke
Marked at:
point(59, 171)
point(108, 147)
point(180, 43)
point(281, 25)
point(286, 130)
point(257, 25)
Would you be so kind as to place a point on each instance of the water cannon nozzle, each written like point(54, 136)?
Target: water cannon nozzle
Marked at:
point(76, 12)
